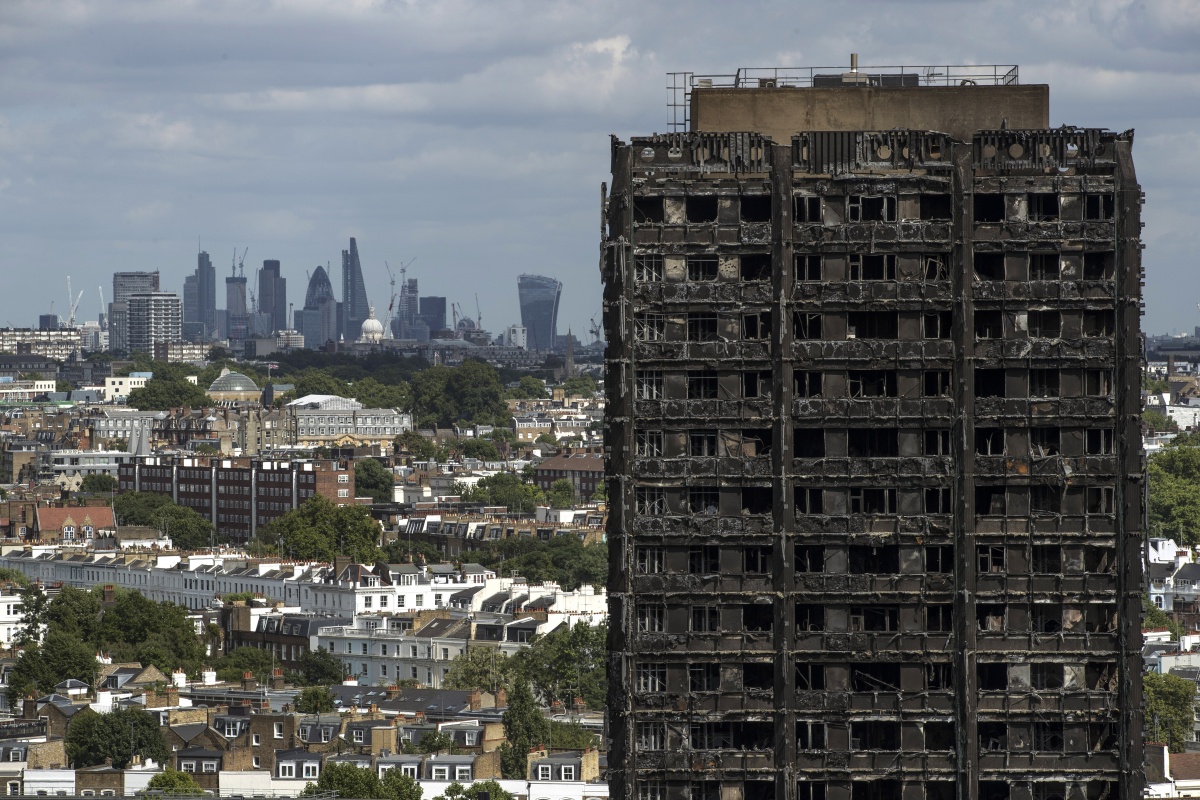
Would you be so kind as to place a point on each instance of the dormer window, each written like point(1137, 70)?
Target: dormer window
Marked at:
point(68, 531)
point(358, 735)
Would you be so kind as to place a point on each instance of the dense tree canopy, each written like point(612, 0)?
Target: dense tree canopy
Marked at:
point(99, 483)
point(505, 489)
point(471, 392)
point(374, 480)
point(492, 789)
point(483, 668)
point(92, 737)
point(569, 662)
point(525, 727)
point(320, 530)
point(1174, 475)
point(348, 780)
point(563, 559)
point(186, 528)
point(163, 394)
point(321, 668)
point(314, 700)
point(1170, 709)
point(174, 783)
point(561, 494)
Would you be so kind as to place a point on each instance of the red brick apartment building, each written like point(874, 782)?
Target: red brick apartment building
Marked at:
point(239, 495)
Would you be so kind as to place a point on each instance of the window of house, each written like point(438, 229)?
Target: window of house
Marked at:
point(702, 384)
point(807, 384)
point(1043, 207)
point(650, 618)
point(808, 267)
point(649, 385)
point(324, 734)
point(702, 268)
point(755, 266)
point(703, 500)
point(702, 443)
point(806, 325)
point(651, 736)
point(648, 267)
point(256, 739)
point(462, 773)
point(208, 766)
point(756, 326)
point(568, 772)
point(1043, 266)
point(863, 208)
point(1045, 324)
point(649, 327)
point(937, 324)
point(879, 267)
point(649, 443)
point(705, 619)
point(935, 383)
point(702, 327)
point(278, 730)
point(807, 209)
point(650, 500)
point(543, 772)
point(648, 210)
point(187, 766)
point(810, 500)
point(872, 325)
point(651, 790)
point(648, 560)
point(937, 500)
point(651, 677)
point(310, 770)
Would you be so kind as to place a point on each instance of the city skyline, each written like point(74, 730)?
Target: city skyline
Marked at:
point(243, 126)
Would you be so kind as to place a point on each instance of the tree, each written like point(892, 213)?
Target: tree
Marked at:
point(186, 528)
point(34, 605)
point(321, 668)
point(398, 786)
point(569, 662)
point(524, 728)
point(1154, 617)
point(73, 612)
point(8, 574)
point(579, 386)
point(482, 668)
point(99, 483)
point(347, 780)
point(436, 742)
point(569, 736)
point(420, 448)
point(172, 782)
point(319, 530)
point(374, 480)
point(1158, 422)
point(477, 392)
point(432, 405)
point(600, 495)
point(528, 388)
point(92, 737)
point(494, 791)
point(163, 394)
point(402, 552)
point(373, 394)
point(482, 449)
point(245, 659)
point(314, 700)
point(1170, 709)
point(506, 489)
point(1174, 474)
point(561, 494)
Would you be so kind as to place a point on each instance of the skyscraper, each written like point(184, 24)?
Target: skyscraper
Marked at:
point(433, 311)
point(538, 296)
point(203, 311)
point(874, 460)
point(237, 314)
point(193, 329)
point(317, 321)
point(126, 284)
point(272, 296)
point(355, 307)
point(154, 317)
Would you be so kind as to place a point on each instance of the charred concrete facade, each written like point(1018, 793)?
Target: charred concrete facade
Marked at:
point(874, 465)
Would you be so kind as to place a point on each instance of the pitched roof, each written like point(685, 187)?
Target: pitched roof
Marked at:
point(53, 519)
point(1185, 766)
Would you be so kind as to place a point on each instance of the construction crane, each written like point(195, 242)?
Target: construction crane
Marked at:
point(72, 305)
point(391, 303)
point(596, 334)
point(241, 262)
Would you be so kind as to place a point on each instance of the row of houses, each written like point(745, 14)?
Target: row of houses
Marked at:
point(234, 742)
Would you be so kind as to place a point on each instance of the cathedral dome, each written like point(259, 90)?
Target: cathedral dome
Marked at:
point(372, 329)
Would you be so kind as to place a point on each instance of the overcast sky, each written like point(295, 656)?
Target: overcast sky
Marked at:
point(473, 136)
